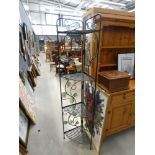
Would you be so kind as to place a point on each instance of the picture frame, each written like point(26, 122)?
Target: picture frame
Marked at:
point(21, 75)
point(24, 124)
point(22, 150)
point(22, 47)
point(20, 44)
point(26, 102)
point(25, 31)
point(101, 102)
point(126, 63)
point(28, 51)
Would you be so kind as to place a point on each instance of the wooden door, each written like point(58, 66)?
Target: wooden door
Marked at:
point(119, 118)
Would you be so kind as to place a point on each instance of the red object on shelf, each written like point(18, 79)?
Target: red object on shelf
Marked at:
point(71, 68)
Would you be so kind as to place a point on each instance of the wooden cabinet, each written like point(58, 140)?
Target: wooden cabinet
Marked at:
point(120, 113)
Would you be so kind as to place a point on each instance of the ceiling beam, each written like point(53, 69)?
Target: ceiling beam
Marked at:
point(46, 3)
point(56, 3)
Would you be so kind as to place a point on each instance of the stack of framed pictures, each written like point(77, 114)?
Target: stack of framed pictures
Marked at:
point(26, 42)
point(26, 117)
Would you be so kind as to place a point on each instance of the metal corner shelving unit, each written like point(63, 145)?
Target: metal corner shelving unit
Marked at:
point(78, 89)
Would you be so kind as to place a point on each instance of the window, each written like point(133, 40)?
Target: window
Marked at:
point(51, 19)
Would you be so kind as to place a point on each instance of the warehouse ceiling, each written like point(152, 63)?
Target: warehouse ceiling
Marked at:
point(79, 6)
point(44, 13)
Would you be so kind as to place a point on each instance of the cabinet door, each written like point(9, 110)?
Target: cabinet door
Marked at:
point(132, 122)
point(119, 118)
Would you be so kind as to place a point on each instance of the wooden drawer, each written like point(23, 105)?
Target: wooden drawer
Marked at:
point(123, 98)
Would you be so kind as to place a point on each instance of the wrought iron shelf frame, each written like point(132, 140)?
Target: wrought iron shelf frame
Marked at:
point(79, 77)
point(78, 31)
point(78, 133)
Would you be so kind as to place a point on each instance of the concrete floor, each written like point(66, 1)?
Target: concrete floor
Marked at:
point(46, 137)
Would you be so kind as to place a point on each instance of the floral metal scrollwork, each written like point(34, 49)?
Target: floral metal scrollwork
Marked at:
point(71, 26)
point(91, 26)
point(68, 94)
point(72, 115)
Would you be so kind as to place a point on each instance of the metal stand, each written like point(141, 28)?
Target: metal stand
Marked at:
point(78, 108)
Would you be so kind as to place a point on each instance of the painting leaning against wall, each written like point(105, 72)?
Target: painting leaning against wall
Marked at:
point(101, 100)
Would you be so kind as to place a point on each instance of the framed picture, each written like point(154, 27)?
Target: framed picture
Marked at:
point(126, 63)
point(22, 150)
point(100, 107)
point(20, 44)
point(21, 75)
point(26, 102)
point(28, 51)
point(23, 127)
point(22, 48)
point(25, 31)
point(101, 102)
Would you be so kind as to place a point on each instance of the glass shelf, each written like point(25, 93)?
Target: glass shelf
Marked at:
point(78, 77)
point(78, 108)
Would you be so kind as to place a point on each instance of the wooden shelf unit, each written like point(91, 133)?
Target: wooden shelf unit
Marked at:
point(117, 37)
point(115, 40)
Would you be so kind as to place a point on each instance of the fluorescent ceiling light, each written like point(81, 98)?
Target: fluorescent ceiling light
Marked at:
point(69, 11)
point(105, 6)
point(26, 7)
point(75, 1)
point(93, 4)
point(114, 3)
point(63, 10)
